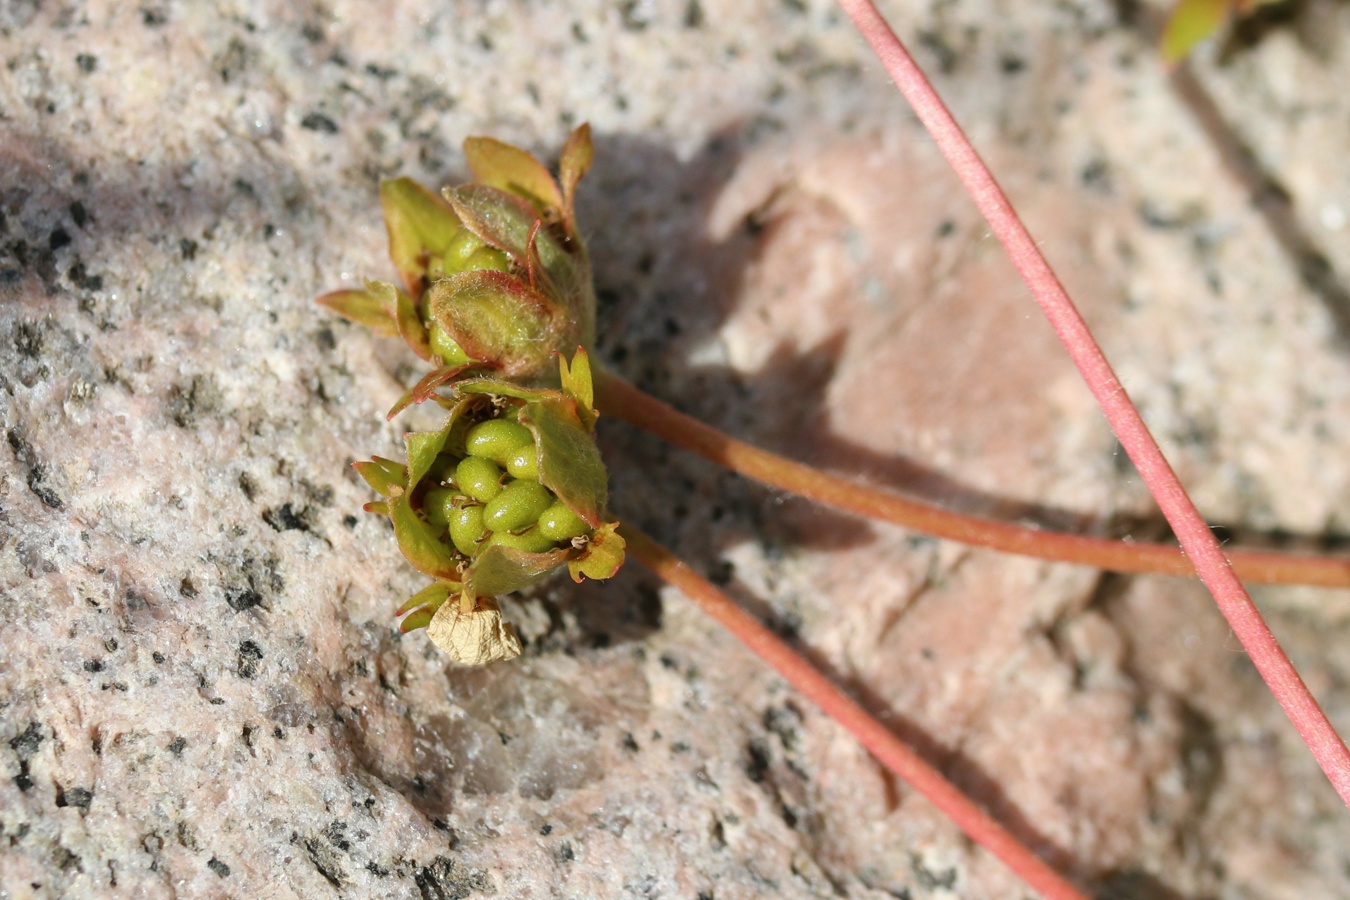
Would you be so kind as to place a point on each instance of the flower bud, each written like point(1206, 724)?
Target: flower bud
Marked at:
point(495, 276)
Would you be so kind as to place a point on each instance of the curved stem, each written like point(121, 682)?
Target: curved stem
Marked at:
point(622, 400)
point(1196, 539)
point(889, 750)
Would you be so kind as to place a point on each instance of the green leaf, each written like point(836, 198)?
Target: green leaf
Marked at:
point(495, 217)
point(383, 475)
point(502, 389)
point(410, 325)
point(420, 224)
point(419, 544)
point(575, 162)
point(500, 570)
point(505, 221)
point(1190, 23)
point(498, 319)
point(569, 462)
point(425, 446)
point(430, 597)
point(363, 308)
point(515, 171)
point(577, 384)
point(603, 556)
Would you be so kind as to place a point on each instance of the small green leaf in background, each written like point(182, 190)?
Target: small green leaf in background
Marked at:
point(364, 308)
point(515, 171)
point(420, 224)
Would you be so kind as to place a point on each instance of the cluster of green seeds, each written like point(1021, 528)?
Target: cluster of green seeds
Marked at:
point(491, 495)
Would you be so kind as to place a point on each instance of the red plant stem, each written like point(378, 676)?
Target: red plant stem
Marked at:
point(618, 398)
point(1194, 535)
point(889, 750)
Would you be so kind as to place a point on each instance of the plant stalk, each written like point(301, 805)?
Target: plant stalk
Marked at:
point(1196, 539)
point(889, 750)
point(622, 400)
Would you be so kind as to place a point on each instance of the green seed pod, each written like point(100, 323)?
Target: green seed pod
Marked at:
point(531, 541)
point(501, 538)
point(466, 529)
point(497, 440)
point(437, 503)
point(558, 523)
point(478, 478)
point(524, 464)
point(517, 507)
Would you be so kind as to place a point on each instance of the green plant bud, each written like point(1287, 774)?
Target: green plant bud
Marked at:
point(494, 274)
point(524, 464)
point(444, 346)
point(466, 529)
point(479, 478)
point(497, 440)
point(517, 507)
point(464, 245)
point(531, 541)
point(437, 504)
point(558, 523)
point(487, 258)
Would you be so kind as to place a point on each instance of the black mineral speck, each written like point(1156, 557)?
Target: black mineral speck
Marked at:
point(93, 665)
point(86, 63)
point(36, 476)
point(285, 519)
point(157, 657)
point(78, 797)
point(177, 745)
point(81, 278)
point(215, 865)
point(27, 742)
point(446, 878)
point(319, 122)
point(326, 861)
point(58, 238)
point(240, 600)
point(250, 654)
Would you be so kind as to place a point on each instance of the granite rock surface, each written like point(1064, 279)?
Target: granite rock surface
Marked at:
point(203, 692)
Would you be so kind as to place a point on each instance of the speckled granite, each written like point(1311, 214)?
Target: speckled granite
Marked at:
point(202, 691)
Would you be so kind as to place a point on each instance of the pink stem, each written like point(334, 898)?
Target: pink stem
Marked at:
point(1196, 539)
point(889, 750)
